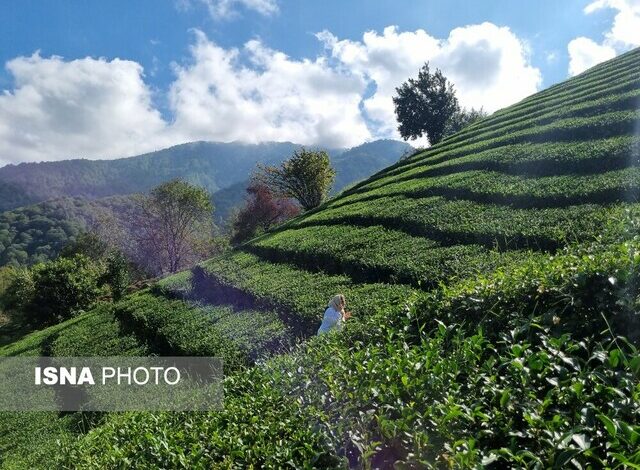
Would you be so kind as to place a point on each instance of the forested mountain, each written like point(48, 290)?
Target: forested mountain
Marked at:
point(212, 165)
point(79, 191)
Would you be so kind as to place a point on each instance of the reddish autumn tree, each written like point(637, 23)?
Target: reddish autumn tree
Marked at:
point(261, 211)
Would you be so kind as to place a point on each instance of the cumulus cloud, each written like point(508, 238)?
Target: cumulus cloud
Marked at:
point(99, 108)
point(273, 97)
point(82, 108)
point(585, 53)
point(488, 64)
point(623, 35)
point(624, 32)
point(225, 9)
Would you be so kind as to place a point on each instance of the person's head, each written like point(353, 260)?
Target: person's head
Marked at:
point(338, 302)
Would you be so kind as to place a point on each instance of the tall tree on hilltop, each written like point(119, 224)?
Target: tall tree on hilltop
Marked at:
point(175, 225)
point(307, 177)
point(424, 106)
point(428, 106)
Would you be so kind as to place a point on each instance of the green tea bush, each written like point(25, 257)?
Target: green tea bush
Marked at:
point(178, 285)
point(462, 222)
point(175, 328)
point(29, 439)
point(415, 388)
point(532, 159)
point(63, 288)
point(398, 258)
point(564, 130)
point(299, 296)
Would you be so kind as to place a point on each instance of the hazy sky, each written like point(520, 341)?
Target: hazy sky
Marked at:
point(104, 79)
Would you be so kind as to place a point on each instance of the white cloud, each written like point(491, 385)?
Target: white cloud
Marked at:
point(585, 53)
point(488, 64)
point(623, 35)
point(98, 108)
point(625, 30)
point(81, 108)
point(272, 97)
point(226, 9)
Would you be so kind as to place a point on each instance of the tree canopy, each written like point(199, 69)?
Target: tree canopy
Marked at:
point(176, 222)
point(428, 106)
point(307, 177)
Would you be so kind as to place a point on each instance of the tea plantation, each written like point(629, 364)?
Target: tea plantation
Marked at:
point(494, 282)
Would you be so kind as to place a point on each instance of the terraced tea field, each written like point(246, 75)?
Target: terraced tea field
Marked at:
point(490, 278)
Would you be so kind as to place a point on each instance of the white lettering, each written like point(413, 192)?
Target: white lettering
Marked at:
point(111, 371)
point(63, 376)
point(86, 377)
point(135, 376)
point(177, 373)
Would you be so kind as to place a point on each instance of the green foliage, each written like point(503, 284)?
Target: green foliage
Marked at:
point(30, 439)
point(7, 275)
point(462, 118)
point(176, 327)
point(438, 383)
point(307, 177)
point(39, 233)
point(60, 288)
point(285, 289)
point(503, 357)
point(117, 274)
point(88, 244)
point(399, 258)
point(20, 290)
point(425, 106)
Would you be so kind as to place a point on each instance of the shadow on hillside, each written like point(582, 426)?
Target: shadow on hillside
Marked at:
point(208, 289)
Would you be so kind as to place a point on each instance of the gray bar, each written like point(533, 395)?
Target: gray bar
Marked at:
point(111, 383)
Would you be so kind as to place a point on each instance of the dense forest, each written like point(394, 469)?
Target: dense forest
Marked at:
point(38, 232)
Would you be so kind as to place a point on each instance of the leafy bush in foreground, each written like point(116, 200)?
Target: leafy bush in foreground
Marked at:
point(58, 289)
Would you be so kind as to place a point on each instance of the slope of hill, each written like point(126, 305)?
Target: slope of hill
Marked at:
point(37, 233)
point(492, 278)
point(212, 165)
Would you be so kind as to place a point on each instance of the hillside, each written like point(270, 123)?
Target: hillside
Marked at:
point(491, 277)
point(212, 165)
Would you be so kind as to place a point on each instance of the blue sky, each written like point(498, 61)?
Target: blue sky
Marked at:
point(176, 57)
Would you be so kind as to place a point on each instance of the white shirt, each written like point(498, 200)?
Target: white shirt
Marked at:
point(331, 319)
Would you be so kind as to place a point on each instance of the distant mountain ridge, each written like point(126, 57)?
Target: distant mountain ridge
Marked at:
point(213, 165)
point(44, 206)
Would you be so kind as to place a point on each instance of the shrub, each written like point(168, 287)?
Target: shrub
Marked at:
point(116, 274)
point(63, 288)
point(261, 211)
point(21, 290)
